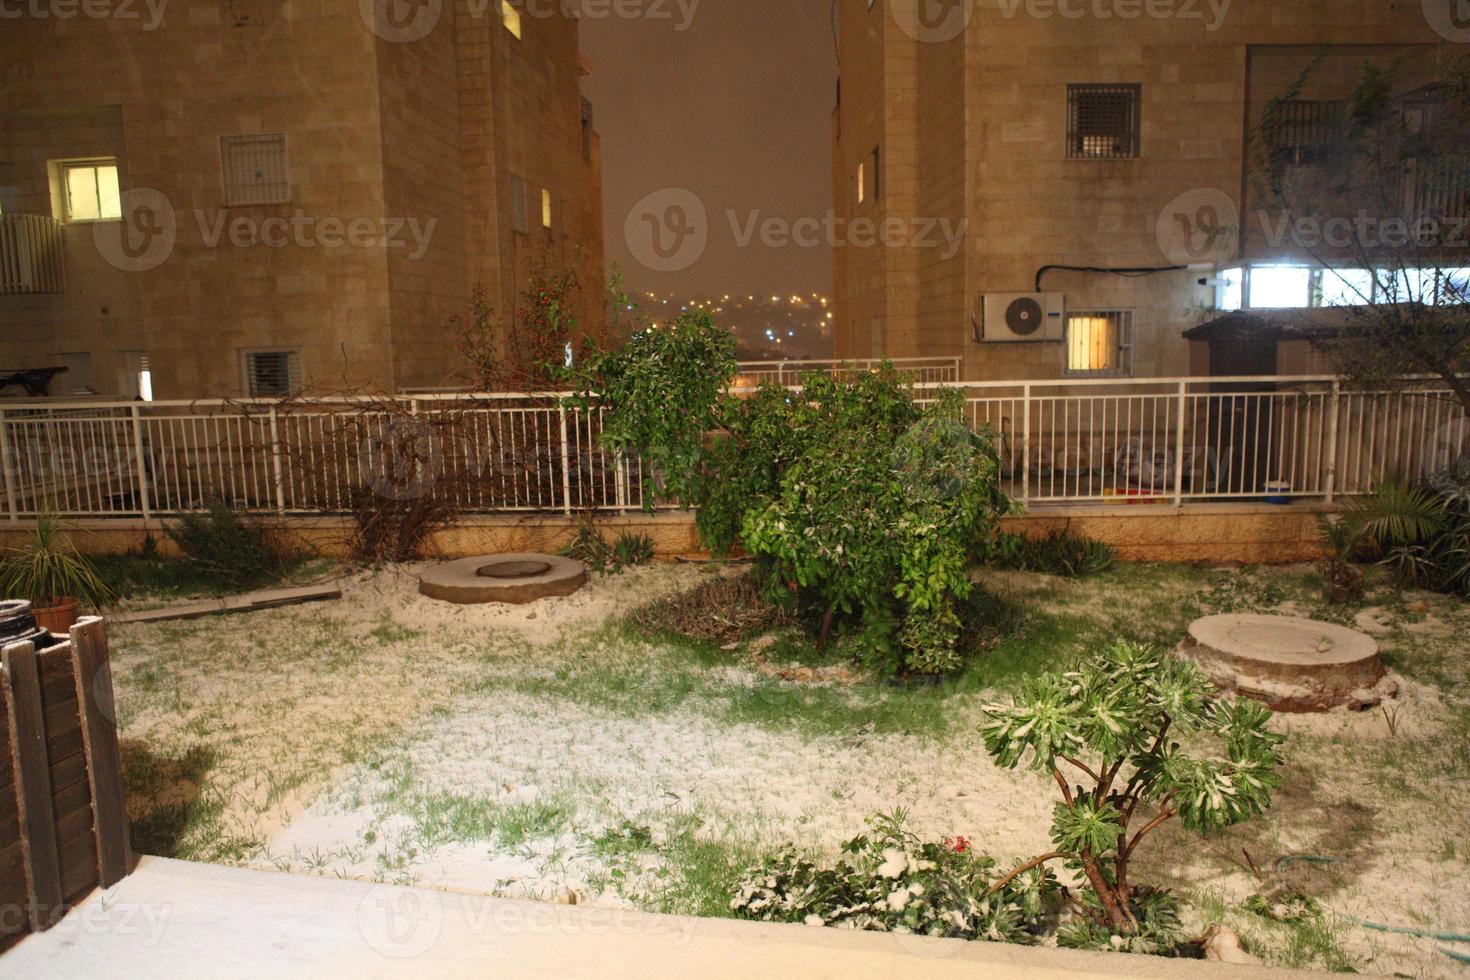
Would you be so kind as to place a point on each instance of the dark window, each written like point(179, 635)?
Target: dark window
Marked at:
point(1103, 121)
point(272, 373)
point(876, 162)
point(1303, 133)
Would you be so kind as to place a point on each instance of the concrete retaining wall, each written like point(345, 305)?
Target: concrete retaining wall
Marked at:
point(1255, 534)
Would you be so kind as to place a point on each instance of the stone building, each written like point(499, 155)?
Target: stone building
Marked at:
point(236, 197)
point(1079, 171)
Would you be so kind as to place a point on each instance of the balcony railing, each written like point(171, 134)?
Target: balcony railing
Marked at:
point(31, 254)
point(1166, 442)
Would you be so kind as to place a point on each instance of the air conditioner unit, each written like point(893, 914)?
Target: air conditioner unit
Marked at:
point(1013, 318)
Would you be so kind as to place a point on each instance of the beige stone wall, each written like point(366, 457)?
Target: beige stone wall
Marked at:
point(994, 136)
point(377, 131)
point(1204, 533)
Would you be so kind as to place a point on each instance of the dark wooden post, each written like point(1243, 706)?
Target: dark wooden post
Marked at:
point(40, 858)
point(99, 739)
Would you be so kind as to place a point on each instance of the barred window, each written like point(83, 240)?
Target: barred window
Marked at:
point(1302, 132)
point(255, 169)
point(1100, 343)
point(1103, 121)
point(272, 373)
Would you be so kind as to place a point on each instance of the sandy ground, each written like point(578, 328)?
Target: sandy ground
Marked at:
point(361, 738)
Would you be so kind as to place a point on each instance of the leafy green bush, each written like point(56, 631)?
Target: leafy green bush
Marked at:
point(1421, 533)
point(1122, 720)
point(890, 881)
point(1058, 553)
point(589, 547)
point(862, 508)
point(632, 549)
point(229, 548)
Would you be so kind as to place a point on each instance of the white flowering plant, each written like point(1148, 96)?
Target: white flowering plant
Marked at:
point(889, 881)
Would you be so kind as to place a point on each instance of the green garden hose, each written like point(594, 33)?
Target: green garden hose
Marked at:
point(1447, 937)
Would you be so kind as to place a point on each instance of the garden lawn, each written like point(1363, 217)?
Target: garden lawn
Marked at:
point(553, 752)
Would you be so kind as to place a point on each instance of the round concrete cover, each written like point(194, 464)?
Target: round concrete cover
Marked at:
point(1292, 664)
point(517, 579)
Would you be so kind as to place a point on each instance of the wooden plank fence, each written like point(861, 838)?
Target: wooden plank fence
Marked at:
point(63, 824)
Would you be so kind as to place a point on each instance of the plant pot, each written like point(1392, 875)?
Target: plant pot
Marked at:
point(59, 618)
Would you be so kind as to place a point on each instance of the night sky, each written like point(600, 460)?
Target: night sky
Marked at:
point(736, 108)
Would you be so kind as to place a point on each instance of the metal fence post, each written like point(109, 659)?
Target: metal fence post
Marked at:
point(1179, 445)
point(8, 465)
point(277, 472)
point(141, 462)
point(1334, 407)
point(1026, 445)
point(566, 462)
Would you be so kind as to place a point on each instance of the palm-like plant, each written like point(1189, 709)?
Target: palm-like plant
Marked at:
point(48, 570)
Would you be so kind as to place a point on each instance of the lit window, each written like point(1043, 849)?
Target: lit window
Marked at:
point(862, 182)
point(1100, 342)
point(138, 382)
point(272, 373)
point(1454, 286)
point(511, 18)
point(545, 208)
point(1409, 286)
point(91, 191)
point(254, 169)
point(1275, 287)
point(1103, 121)
point(1346, 287)
point(519, 211)
point(1231, 294)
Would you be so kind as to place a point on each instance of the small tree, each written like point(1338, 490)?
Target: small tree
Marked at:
point(1135, 723)
point(1377, 196)
point(859, 504)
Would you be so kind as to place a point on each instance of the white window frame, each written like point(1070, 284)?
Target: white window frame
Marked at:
point(1124, 345)
point(64, 167)
point(295, 370)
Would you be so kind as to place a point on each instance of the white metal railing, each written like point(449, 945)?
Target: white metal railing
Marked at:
point(921, 370)
point(30, 254)
point(1162, 441)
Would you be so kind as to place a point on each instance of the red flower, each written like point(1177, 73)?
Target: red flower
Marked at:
point(957, 844)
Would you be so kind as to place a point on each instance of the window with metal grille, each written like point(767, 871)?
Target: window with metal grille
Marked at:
point(255, 169)
point(519, 211)
point(1303, 133)
point(272, 373)
point(1100, 343)
point(138, 376)
point(1103, 121)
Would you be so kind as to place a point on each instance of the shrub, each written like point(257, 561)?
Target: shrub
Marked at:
point(49, 569)
point(1121, 720)
point(228, 548)
point(1058, 553)
point(1421, 533)
point(389, 530)
point(722, 610)
point(862, 508)
point(890, 881)
point(632, 549)
point(589, 547)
